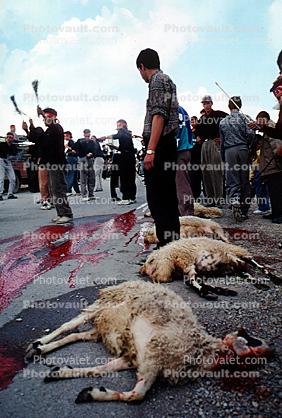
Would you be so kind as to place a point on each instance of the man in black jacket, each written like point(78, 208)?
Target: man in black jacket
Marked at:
point(7, 149)
point(126, 162)
point(53, 157)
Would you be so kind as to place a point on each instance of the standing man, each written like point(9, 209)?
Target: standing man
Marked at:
point(37, 135)
point(71, 164)
point(212, 167)
point(126, 162)
point(85, 149)
point(195, 172)
point(98, 164)
point(53, 157)
point(269, 167)
point(183, 183)
point(7, 150)
point(160, 127)
point(236, 139)
point(13, 131)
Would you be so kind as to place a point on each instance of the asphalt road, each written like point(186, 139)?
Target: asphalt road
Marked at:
point(49, 273)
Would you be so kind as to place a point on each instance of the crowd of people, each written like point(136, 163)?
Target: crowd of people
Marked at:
point(224, 160)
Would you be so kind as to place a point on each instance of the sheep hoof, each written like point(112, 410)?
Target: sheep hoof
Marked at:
point(52, 375)
point(85, 395)
point(204, 293)
point(261, 286)
point(224, 291)
point(32, 350)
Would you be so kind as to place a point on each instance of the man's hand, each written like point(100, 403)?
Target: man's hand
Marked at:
point(252, 125)
point(89, 155)
point(149, 161)
point(24, 126)
point(198, 140)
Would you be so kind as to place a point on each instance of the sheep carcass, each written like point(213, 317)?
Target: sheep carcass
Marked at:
point(149, 328)
point(190, 227)
point(192, 256)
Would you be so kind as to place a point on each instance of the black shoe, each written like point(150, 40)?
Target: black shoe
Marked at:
point(116, 199)
point(11, 196)
point(277, 220)
point(1, 198)
point(269, 216)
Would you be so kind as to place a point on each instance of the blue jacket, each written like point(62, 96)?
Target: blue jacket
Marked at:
point(184, 134)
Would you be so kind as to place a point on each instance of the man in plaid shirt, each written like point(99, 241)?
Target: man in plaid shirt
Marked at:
point(159, 134)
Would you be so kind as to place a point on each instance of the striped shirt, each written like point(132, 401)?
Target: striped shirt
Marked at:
point(162, 101)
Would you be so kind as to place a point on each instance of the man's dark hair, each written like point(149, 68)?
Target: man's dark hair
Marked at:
point(237, 100)
point(279, 61)
point(50, 110)
point(10, 134)
point(149, 58)
point(263, 114)
point(122, 121)
point(68, 133)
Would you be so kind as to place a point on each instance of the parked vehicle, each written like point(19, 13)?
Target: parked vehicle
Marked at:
point(21, 164)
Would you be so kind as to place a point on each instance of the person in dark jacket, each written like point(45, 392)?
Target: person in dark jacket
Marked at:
point(270, 170)
point(7, 151)
point(71, 156)
point(126, 162)
point(53, 157)
point(195, 172)
point(85, 149)
point(36, 135)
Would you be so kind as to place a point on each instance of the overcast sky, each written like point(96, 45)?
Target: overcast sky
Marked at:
point(83, 53)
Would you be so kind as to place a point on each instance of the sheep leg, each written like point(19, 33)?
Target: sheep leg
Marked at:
point(78, 336)
point(190, 280)
point(218, 290)
point(254, 281)
point(66, 373)
point(136, 394)
point(68, 326)
point(275, 279)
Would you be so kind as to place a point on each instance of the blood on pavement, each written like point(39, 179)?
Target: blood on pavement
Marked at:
point(33, 254)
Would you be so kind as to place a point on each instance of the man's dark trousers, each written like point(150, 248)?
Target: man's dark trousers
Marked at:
point(161, 190)
point(58, 190)
point(127, 176)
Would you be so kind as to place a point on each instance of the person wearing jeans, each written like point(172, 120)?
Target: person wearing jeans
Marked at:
point(7, 149)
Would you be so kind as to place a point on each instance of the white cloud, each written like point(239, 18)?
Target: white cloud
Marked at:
point(93, 58)
point(275, 13)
